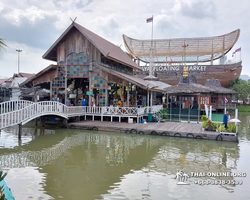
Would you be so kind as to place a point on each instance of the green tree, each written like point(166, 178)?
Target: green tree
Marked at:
point(242, 88)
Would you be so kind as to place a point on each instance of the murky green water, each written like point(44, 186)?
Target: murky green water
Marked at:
point(77, 165)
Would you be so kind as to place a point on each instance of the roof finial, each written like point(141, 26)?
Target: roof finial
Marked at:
point(73, 20)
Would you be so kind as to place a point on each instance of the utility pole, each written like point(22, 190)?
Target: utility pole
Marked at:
point(19, 51)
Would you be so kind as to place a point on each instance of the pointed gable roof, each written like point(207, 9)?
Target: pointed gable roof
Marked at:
point(108, 49)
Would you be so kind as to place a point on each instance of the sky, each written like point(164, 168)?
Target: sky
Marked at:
point(34, 25)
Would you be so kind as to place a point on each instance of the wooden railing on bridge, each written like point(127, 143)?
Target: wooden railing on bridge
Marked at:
point(21, 112)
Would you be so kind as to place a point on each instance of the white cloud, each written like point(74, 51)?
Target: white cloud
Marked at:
point(36, 26)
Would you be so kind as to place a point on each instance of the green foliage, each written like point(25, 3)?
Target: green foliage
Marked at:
point(221, 128)
point(205, 124)
point(216, 125)
point(231, 127)
point(242, 88)
point(204, 118)
point(243, 108)
point(164, 114)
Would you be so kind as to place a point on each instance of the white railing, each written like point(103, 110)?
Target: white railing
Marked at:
point(9, 106)
point(153, 109)
point(25, 111)
point(125, 111)
point(32, 111)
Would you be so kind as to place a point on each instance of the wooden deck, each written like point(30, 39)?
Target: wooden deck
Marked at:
point(171, 129)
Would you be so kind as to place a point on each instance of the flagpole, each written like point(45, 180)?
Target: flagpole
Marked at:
point(240, 53)
point(152, 31)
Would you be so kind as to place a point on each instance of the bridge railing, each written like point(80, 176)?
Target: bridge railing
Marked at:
point(9, 106)
point(32, 111)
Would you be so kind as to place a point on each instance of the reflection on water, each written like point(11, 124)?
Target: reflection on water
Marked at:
point(73, 164)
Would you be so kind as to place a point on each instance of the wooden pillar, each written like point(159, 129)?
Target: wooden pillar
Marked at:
point(106, 93)
point(135, 96)
point(66, 86)
point(50, 90)
point(19, 131)
point(35, 100)
point(128, 97)
point(148, 98)
point(167, 100)
point(90, 84)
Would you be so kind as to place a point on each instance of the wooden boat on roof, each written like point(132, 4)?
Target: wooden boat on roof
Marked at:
point(170, 55)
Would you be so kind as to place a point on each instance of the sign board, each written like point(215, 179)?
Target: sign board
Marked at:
point(72, 96)
point(89, 92)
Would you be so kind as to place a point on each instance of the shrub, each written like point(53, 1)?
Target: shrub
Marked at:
point(205, 124)
point(221, 128)
point(204, 118)
point(231, 127)
point(216, 125)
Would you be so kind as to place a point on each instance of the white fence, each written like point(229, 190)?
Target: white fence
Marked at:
point(21, 112)
point(9, 106)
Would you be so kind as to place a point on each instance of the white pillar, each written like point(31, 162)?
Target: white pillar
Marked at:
point(236, 113)
point(151, 101)
point(210, 113)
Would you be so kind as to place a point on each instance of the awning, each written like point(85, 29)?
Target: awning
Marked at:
point(126, 78)
point(46, 75)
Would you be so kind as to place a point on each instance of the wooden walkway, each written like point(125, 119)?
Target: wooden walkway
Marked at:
point(171, 129)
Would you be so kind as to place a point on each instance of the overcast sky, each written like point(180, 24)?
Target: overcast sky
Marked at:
point(34, 25)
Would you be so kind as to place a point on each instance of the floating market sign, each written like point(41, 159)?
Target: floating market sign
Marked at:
point(160, 68)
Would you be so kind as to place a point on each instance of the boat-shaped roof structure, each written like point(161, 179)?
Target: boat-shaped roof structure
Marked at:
point(200, 49)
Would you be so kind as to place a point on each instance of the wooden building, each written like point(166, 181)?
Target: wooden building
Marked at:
point(195, 96)
point(94, 65)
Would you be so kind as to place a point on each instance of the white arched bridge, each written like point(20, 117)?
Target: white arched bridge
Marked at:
point(21, 112)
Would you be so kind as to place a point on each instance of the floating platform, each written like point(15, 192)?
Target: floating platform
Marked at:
point(170, 129)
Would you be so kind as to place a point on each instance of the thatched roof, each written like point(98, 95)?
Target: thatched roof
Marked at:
point(188, 88)
point(216, 86)
point(211, 86)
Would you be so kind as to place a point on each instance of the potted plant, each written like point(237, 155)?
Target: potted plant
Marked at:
point(221, 128)
point(204, 125)
point(210, 125)
point(216, 125)
point(231, 127)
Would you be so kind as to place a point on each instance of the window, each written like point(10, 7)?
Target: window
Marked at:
point(213, 100)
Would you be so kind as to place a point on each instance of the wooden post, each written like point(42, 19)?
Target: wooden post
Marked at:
point(148, 98)
point(19, 131)
point(106, 93)
point(167, 100)
point(35, 100)
point(128, 96)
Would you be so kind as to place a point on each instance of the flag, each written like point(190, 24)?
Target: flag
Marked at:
point(149, 20)
point(226, 100)
point(206, 98)
point(238, 50)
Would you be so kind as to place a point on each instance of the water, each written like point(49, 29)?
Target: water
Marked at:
point(75, 164)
